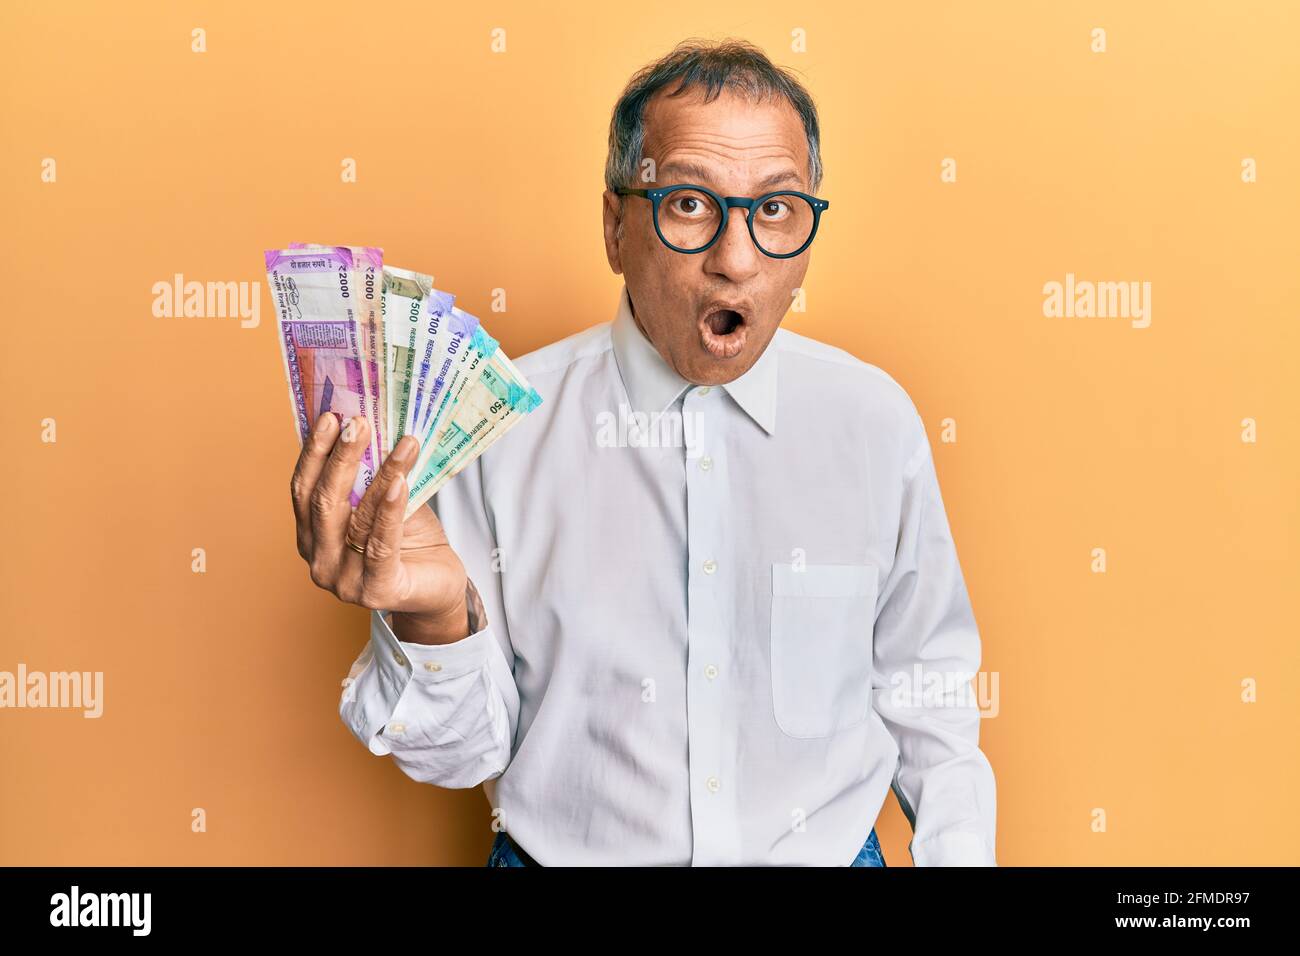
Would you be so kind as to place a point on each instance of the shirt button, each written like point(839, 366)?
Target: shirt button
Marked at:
point(396, 728)
point(710, 672)
point(713, 784)
point(703, 390)
point(706, 463)
point(431, 666)
point(397, 656)
point(710, 566)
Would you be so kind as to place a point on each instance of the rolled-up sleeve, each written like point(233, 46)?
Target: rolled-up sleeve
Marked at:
point(926, 651)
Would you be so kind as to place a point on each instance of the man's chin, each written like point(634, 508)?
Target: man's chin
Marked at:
point(707, 369)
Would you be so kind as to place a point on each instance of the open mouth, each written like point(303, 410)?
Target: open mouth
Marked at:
point(722, 332)
point(724, 321)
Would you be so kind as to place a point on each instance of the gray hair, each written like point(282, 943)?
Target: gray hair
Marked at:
point(734, 64)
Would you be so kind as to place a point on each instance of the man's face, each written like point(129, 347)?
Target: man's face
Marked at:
point(711, 314)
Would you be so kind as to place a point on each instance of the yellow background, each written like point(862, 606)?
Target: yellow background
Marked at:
point(1119, 691)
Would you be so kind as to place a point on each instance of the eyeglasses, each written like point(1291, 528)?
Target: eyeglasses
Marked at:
point(782, 224)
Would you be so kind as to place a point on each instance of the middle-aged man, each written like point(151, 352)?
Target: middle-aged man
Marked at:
point(698, 602)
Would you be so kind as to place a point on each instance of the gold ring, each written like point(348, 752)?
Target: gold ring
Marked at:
point(348, 541)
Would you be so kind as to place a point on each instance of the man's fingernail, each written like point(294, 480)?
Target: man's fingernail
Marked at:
point(395, 489)
point(408, 447)
point(325, 426)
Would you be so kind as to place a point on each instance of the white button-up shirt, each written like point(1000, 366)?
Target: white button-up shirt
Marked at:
point(715, 619)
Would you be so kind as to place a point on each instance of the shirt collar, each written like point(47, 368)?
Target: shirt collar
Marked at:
point(652, 385)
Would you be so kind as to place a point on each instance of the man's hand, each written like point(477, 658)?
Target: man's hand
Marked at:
point(406, 568)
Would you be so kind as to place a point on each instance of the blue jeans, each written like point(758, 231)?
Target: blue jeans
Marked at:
point(870, 854)
point(502, 854)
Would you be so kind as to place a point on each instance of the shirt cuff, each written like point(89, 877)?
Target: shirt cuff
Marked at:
point(954, 848)
point(397, 663)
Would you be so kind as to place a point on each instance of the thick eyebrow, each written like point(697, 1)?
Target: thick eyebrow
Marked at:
point(702, 176)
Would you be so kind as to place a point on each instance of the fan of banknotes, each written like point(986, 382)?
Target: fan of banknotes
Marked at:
point(359, 337)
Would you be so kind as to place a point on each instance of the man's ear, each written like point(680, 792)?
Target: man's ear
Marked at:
point(612, 210)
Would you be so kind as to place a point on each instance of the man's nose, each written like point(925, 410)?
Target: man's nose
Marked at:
point(734, 255)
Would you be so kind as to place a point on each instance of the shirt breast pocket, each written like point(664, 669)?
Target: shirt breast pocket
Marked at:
point(821, 651)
